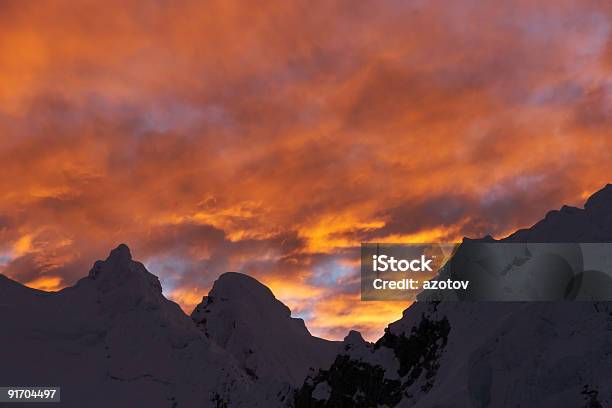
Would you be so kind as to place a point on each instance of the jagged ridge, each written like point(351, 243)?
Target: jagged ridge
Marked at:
point(114, 338)
point(450, 354)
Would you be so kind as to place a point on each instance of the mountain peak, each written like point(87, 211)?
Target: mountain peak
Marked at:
point(243, 316)
point(571, 224)
point(244, 293)
point(119, 260)
point(237, 278)
point(120, 254)
point(120, 271)
point(238, 286)
point(601, 200)
point(354, 338)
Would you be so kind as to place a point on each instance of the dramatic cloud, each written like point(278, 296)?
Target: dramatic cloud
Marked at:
point(273, 139)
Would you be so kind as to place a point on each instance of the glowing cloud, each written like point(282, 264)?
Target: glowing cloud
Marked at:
point(274, 139)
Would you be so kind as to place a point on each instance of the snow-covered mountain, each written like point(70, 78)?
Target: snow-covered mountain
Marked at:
point(242, 316)
point(113, 339)
point(593, 223)
point(489, 354)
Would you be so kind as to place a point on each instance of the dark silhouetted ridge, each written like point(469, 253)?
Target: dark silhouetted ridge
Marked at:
point(571, 224)
point(485, 354)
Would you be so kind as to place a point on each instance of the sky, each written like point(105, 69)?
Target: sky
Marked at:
point(274, 137)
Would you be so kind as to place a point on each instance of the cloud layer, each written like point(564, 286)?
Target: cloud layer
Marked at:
point(274, 139)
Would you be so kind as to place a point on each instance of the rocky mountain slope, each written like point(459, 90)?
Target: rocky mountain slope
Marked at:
point(489, 354)
point(113, 339)
point(277, 351)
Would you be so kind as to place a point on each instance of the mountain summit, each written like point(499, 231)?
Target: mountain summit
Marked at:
point(486, 354)
point(593, 223)
point(601, 201)
point(243, 316)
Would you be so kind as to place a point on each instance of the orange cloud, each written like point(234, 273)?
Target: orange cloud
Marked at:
point(336, 316)
point(274, 139)
point(187, 298)
point(23, 245)
point(46, 283)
